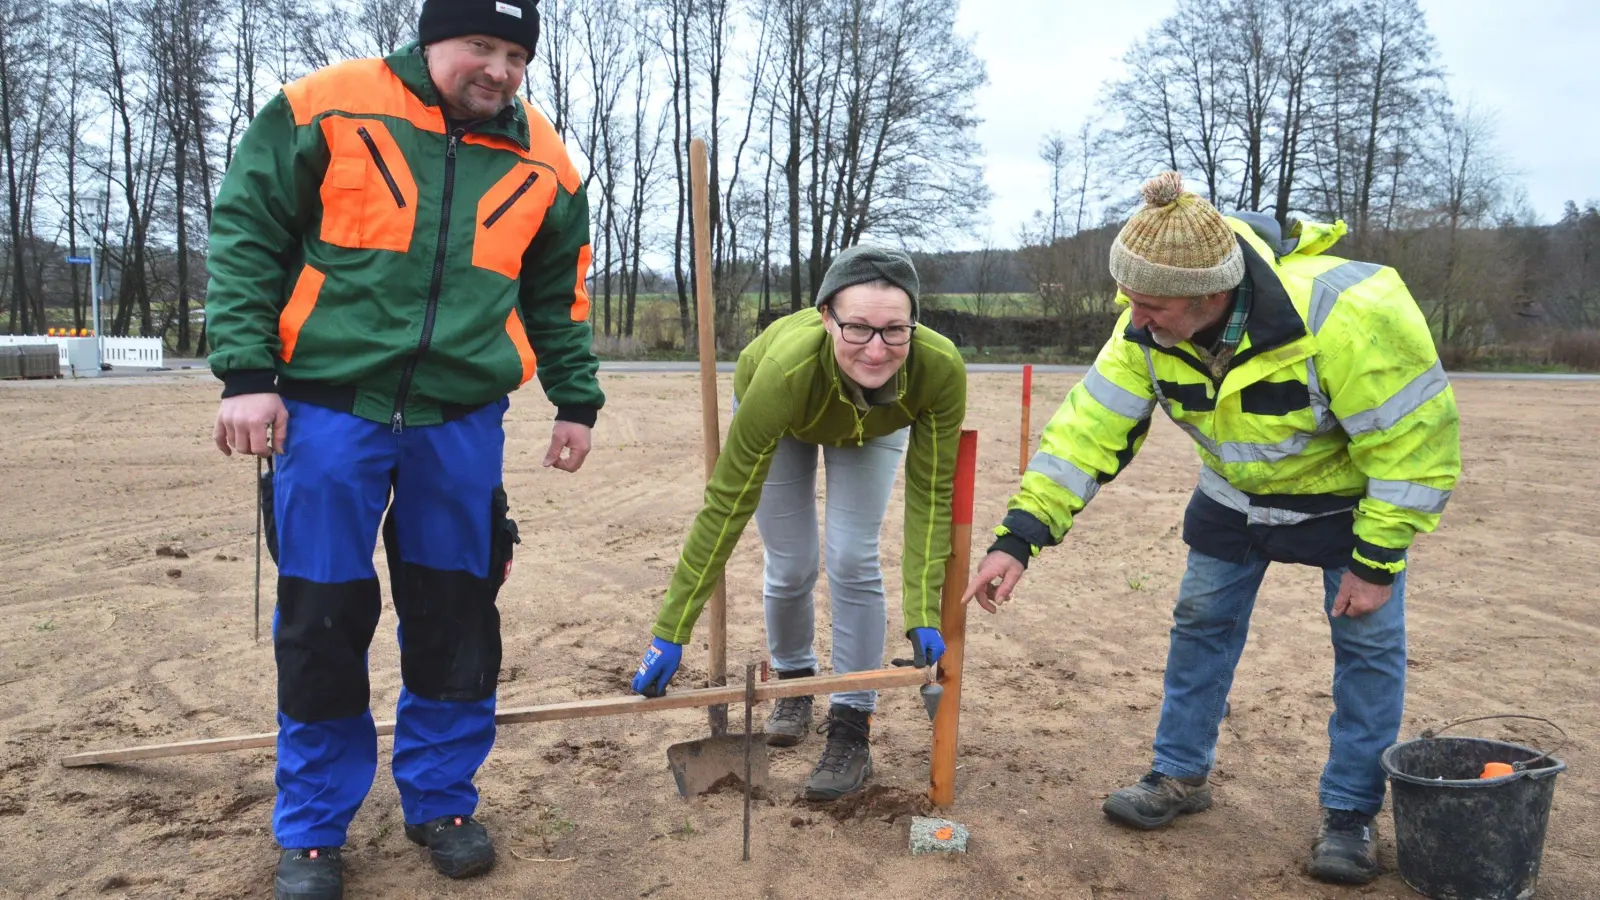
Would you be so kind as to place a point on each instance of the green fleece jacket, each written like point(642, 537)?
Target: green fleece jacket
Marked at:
point(788, 384)
point(371, 254)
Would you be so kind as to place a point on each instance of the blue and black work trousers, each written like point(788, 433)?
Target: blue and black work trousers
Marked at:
point(435, 492)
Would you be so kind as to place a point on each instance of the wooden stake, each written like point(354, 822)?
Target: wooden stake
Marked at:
point(705, 308)
point(872, 679)
point(1027, 409)
point(953, 625)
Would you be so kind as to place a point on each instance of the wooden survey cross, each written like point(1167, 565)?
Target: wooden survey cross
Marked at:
point(942, 769)
point(553, 712)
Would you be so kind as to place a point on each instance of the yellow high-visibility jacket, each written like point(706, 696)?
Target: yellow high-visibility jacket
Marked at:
point(1331, 439)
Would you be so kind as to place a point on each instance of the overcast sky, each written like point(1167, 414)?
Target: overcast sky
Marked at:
point(1532, 61)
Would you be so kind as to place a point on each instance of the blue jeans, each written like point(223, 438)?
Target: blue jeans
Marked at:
point(1210, 623)
point(860, 479)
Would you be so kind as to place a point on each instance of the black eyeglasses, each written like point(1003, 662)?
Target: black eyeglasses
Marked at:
point(858, 333)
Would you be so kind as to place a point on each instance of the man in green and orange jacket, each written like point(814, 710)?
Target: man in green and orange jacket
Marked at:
point(398, 245)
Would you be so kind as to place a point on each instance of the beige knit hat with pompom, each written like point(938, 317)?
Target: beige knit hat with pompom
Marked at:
point(1177, 245)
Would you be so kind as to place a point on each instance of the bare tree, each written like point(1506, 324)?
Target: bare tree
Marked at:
point(1178, 101)
point(646, 149)
point(1470, 189)
point(605, 50)
point(1053, 150)
point(22, 44)
point(1382, 76)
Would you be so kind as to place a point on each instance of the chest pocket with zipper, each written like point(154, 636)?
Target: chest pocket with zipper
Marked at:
point(509, 215)
point(369, 198)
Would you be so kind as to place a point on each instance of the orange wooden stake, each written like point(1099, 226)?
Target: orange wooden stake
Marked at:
point(1027, 410)
point(953, 624)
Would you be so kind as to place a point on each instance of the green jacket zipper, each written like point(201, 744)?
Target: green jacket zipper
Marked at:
point(399, 418)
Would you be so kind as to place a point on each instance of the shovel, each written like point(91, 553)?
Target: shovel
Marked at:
point(931, 691)
point(720, 760)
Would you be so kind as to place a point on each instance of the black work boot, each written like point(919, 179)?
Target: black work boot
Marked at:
point(846, 762)
point(1157, 799)
point(790, 719)
point(314, 873)
point(1346, 848)
point(458, 846)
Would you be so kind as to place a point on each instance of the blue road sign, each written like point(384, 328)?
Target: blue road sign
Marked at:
point(78, 260)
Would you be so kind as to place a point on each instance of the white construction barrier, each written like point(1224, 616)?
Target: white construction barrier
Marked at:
point(145, 353)
point(77, 353)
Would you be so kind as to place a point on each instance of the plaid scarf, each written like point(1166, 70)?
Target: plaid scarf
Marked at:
point(1220, 354)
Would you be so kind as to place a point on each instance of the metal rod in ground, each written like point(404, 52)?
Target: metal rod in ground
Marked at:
point(749, 701)
point(258, 550)
point(953, 624)
point(705, 308)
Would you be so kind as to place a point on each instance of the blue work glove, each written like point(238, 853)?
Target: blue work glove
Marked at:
point(659, 665)
point(927, 645)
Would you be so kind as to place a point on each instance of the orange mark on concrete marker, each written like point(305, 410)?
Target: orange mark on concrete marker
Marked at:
point(945, 833)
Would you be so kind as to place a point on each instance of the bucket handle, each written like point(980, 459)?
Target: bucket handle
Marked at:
point(1430, 733)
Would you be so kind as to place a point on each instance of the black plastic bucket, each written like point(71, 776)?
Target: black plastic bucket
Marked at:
point(1461, 837)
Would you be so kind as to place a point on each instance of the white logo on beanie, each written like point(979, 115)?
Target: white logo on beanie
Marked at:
point(508, 8)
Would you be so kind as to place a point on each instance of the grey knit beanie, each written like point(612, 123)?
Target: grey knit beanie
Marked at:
point(1177, 245)
point(865, 263)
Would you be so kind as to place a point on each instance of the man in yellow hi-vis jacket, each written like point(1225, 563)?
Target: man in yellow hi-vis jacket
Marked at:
point(1327, 433)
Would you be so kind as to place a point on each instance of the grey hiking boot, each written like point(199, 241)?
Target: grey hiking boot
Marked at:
point(1346, 848)
point(1157, 799)
point(846, 761)
point(790, 719)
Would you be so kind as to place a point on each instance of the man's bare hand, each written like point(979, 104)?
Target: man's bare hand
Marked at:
point(1000, 566)
point(1358, 597)
point(572, 438)
point(242, 425)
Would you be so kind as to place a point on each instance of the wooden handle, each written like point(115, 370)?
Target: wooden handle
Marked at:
point(872, 679)
point(953, 624)
point(705, 308)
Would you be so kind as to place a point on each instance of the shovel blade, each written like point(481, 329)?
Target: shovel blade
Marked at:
point(697, 766)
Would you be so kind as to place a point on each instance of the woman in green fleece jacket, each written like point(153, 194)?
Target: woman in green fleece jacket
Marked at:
point(858, 377)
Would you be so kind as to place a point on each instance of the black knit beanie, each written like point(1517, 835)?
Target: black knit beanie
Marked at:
point(512, 20)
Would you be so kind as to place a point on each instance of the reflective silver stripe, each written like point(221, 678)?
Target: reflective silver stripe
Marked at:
point(1406, 401)
point(1198, 435)
point(1215, 486)
point(1330, 284)
point(1080, 483)
point(1409, 495)
point(1115, 397)
point(1240, 452)
point(1155, 383)
point(1193, 432)
point(1320, 410)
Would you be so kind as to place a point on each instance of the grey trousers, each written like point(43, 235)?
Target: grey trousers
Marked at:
point(860, 480)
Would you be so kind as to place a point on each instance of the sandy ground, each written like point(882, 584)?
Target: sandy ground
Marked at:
point(103, 643)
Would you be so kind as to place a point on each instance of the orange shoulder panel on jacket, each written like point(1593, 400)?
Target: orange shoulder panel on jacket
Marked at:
point(361, 87)
point(546, 147)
